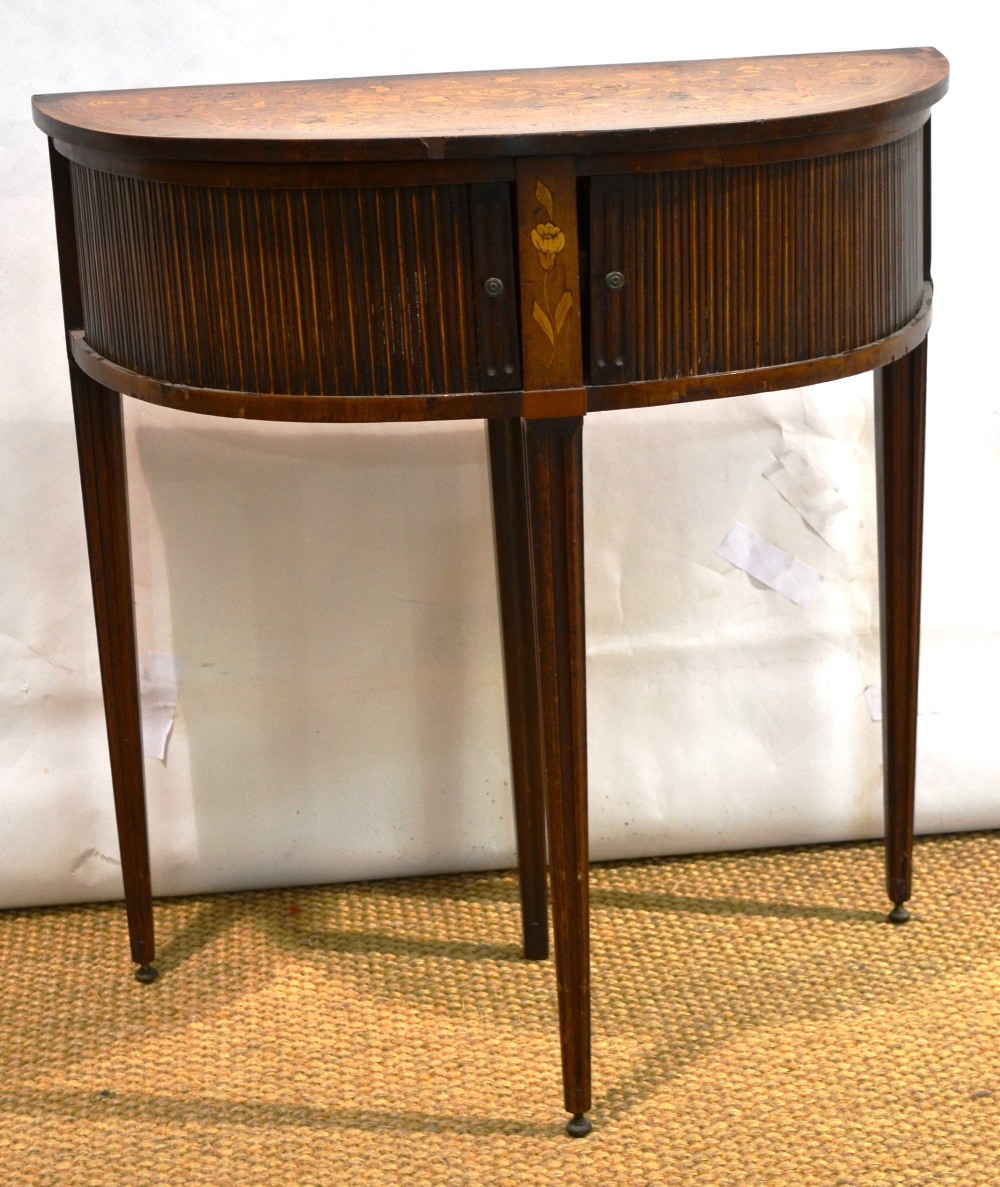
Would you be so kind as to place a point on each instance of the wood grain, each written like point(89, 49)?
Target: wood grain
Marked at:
point(475, 405)
point(100, 441)
point(736, 269)
point(504, 113)
point(512, 535)
point(342, 292)
point(900, 417)
point(101, 451)
point(553, 452)
point(549, 266)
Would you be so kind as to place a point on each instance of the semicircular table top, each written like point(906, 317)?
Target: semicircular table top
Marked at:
point(517, 112)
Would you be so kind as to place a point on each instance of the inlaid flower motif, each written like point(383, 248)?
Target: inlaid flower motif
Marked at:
point(548, 241)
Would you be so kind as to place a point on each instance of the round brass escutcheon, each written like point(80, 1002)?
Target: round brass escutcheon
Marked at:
point(493, 286)
point(615, 280)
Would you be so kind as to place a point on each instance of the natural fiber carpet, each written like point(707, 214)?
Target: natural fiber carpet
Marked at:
point(755, 1023)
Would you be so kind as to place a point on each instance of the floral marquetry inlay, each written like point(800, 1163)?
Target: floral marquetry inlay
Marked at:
point(549, 266)
point(549, 241)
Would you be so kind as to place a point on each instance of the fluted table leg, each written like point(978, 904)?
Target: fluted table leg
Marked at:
point(101, 450)
point(513, 555)
point(900, 391)
point(555, 495)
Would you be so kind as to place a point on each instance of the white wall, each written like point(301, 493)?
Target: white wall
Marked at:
point(330, 591)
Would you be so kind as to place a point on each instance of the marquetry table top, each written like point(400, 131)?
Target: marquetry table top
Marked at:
point(494, 113)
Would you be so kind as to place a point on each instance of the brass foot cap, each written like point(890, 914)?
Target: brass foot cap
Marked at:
point(145, 974)
point(899, 914)
point(578, 1126)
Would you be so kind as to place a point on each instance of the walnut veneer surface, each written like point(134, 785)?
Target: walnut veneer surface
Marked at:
point(524, 247)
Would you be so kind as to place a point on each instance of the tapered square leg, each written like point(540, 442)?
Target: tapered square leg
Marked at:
point(555, 497)
point(512, 536)
point(101, 450)
point(900, 399)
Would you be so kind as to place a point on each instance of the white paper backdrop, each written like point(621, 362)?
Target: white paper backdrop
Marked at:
point(330, 591)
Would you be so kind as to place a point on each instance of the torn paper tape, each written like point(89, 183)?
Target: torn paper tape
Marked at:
point(769, 564)
point(158, 688)
point(803, 487)
point(873, 695)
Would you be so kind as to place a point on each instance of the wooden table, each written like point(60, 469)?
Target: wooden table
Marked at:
point(524, 247)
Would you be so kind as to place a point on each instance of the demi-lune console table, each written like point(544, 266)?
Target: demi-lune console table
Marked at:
point(522, 247)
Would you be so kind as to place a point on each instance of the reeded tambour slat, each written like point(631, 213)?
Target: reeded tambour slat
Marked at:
point(341, 292)
point(358, 240)
point(732, 269)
